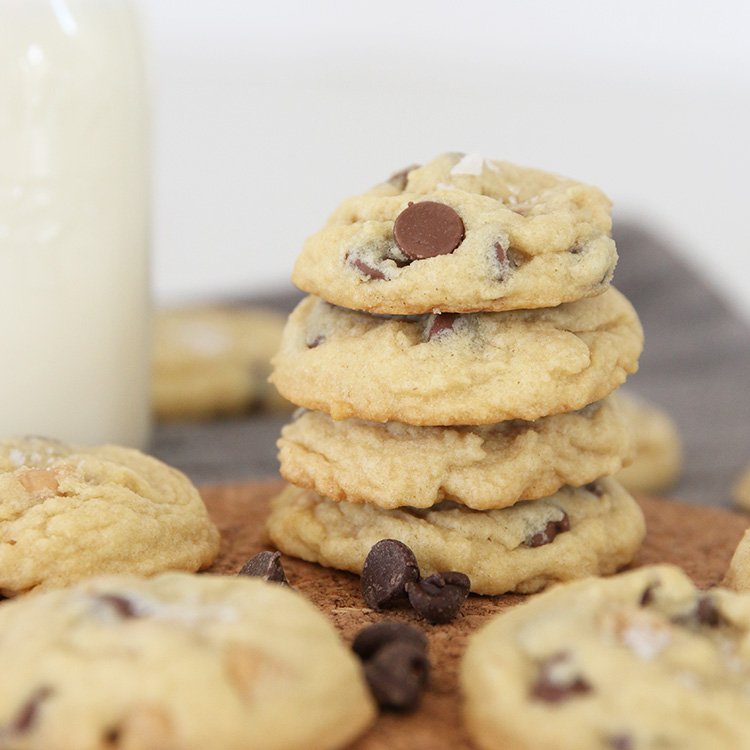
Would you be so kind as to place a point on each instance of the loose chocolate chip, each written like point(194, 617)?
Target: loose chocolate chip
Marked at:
point(266, 565)
point(595, 489)
point(389, 566)
point(438, 324)
point(29, 712)
point(397, 675)
point(550, 531)
point(426, 229)
point(400, 178)
point(551, 689)
point(123, 606)
point(366, 269)
point(315, 341)
point(439, 597)
point(372, 638)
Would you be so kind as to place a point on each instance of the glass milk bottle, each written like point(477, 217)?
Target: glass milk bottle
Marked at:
point(74, 288)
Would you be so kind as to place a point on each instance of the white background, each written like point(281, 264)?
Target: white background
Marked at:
point(267, 114)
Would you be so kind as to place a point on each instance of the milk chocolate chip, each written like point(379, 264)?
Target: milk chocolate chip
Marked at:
point(389, 566)
point(507, 259)
point(400, 178)
point(426, 229)
point(549, 532)
point(123, 606)
point(266, 565)
point(439, 597)
point(366, 269)
point(438, 324)
point(28, 714)
point(551, 688)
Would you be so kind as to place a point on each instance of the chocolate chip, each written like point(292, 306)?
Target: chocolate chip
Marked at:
point(706, 612)
point(439, 597)
point(365, 268)
point(595, 489)
point(372, 638)
point(439, 324)
point(400, 178)
point(315, 341)
point(389, 566)
point(397, 675)
point(551, 689)
point(550, 531)
point(648, 594)
point(507, 259)
point(266, 565)
point(621, 742)
point(28, 714)
point(426, 229)
point(575, 250)
point(123, 606)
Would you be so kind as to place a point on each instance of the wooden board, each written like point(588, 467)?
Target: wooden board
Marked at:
point(698, 539)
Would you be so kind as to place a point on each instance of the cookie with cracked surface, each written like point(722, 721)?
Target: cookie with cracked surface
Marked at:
point(210, 361)
point(657, 463)
point(641, 660)
point(741, 490)
point(573, 533)
point(176, 661)
point(479, 368)
point(462, 234)
point(68, 512)
point(493, 466)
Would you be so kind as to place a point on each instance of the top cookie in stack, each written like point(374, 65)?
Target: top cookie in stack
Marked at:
point(463, 329)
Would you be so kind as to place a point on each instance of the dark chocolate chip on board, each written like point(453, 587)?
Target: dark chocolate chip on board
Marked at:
point(373, 637)
point(426, 229)
point(397, 674)
point(266, 565)
point(439, 597)
point(388, 567)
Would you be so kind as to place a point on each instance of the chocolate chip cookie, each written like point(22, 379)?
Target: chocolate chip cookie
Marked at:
point(68, 512)
point(741, 490)
point(462, 234)
point(177, 661)
point(450, 369)
point(492, 466)
point(576, 532)
point(641, 660)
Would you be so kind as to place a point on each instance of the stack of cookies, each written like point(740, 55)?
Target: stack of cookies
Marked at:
point(454, 361)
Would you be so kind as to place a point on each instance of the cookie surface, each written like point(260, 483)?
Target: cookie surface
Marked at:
point(657, 463)
point(502, 237)
point(392, 465)
point(738, 573)
point(209, 361)
point(176, 661)
point(68, 512)
point(468, 369)
point(574, 533)
point(641, 660)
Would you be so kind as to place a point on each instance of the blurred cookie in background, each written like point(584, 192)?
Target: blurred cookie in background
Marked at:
point(741, 490)
point(658, 447)
point(211, 361)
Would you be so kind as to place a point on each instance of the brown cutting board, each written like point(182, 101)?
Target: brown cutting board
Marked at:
point(698, 539)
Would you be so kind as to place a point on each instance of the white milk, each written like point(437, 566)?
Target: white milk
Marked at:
point(74, 291)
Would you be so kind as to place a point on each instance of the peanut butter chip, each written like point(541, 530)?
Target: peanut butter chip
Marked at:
point(39, 481)
point(426, 229)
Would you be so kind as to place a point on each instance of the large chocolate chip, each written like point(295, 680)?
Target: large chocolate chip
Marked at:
point(373, 637)
point(28, 714)
point(439, 597)
point(438, 324)
point(426, 229)
point(550, 688)
point(123, 606)
point(397, 674)
point(266, 565)
point(549, 532)
point(389, 566)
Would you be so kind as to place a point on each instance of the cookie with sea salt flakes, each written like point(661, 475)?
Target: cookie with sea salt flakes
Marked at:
point(641, 660)
point(176, 662)
point(68, 512)
point(448, 369)
point(462, 234)
point(592, 530)
point(486, 466)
